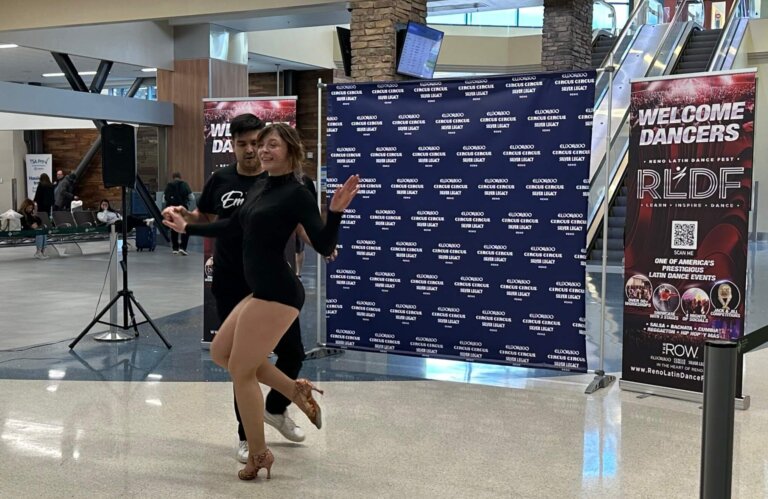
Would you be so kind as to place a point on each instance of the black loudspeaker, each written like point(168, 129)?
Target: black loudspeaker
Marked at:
point(118, 153)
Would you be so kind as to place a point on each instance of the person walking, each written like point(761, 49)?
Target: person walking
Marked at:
point(64, 193)
point(267, 220)
point(224, 192)
point(177, 193)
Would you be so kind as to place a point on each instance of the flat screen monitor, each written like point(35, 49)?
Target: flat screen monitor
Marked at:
point(421, 46)
point(345, 45)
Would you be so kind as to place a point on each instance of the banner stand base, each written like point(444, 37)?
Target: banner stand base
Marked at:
point(742, 403)
point(321, 351)
point(601, 380)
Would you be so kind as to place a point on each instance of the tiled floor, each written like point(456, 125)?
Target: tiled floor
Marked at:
point(134, 419)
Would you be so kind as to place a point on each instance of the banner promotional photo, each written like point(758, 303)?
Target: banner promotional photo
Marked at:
point(36, 165)
point(466, 240)
point(219, 153)
point(689, 182)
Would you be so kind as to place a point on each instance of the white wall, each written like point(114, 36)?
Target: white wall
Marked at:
point(148, 44)
point(313, 46)
point(12, 151)
point(12, 121)
point(755, 48)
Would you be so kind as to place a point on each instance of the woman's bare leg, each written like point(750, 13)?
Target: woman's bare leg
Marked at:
point(260, 325)
point(221, 346)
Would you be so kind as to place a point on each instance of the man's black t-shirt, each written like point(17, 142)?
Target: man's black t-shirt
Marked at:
point(222, 194)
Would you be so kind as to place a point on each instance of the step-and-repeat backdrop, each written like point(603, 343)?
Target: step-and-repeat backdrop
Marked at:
point(467, 238)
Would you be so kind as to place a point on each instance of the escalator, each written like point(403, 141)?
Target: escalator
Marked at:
point(601, 47)
point(699, 51)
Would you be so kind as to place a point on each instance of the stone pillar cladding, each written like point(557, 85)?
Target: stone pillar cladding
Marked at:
point(566, 42)
point(374, 44)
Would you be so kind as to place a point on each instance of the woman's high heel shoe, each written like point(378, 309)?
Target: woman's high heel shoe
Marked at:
point(263, 460)
point(307, 403)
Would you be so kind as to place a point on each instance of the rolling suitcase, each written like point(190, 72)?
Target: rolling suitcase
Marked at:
point(146, 238)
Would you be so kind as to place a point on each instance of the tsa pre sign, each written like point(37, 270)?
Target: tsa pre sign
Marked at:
point(689, 183)
point(36, 165)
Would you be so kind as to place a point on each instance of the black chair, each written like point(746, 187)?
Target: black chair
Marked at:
point(84, 218)
point(44, 218)
point(63, 219)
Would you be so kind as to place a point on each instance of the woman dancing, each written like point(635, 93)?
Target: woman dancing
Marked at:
point(274, 208)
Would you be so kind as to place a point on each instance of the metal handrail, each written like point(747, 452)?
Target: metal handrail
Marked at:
point(739, 10)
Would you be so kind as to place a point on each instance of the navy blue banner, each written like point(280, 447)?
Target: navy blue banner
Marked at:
point(467, 238)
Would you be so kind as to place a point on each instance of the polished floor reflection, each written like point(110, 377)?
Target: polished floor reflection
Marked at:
point(135, 419)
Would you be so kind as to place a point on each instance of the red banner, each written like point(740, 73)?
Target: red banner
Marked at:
point(689, 182)
point(219, 153)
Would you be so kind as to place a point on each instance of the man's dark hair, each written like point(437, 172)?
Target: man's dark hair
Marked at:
point(244, 123)
point(176, 175)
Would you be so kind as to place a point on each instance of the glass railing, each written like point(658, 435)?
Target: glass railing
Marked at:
point(648, 58)
point(647, 12)
point(603, 17)
point(733, 32)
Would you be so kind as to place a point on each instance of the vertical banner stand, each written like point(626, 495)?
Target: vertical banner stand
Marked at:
point(602, 380)
point(322, 349)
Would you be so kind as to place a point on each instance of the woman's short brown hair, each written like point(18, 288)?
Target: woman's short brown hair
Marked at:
point(293, 142)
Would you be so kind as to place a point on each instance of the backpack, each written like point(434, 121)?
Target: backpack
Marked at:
point(174, 195)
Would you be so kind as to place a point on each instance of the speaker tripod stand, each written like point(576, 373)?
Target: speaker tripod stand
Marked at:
point(126, 295)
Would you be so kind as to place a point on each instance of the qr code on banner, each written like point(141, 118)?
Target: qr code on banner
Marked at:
point(684, 234)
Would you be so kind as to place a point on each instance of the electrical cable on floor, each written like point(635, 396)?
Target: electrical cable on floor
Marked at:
point(106, 275)
point(22, 349)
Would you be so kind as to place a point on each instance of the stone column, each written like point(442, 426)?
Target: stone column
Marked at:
point(566, 41)
point(374, 44)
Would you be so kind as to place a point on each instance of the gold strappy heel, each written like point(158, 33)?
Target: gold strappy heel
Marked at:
point(303, 398)
point(263, 460)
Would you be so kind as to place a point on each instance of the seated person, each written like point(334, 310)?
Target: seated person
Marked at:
point(30, 221)
point(108, 216)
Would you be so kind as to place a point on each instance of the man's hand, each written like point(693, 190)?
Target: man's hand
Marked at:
point(175, 221)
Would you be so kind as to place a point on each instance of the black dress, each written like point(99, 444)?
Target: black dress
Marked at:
point(267, 219)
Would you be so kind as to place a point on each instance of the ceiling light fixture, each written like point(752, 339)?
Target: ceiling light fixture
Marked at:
point(149, 70)
point(8, 45)
point(58, 75)
point(460, 6)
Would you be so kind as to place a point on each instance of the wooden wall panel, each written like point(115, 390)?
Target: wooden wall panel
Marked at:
point(228, 79)
point(187, 88)
point(263, 85)
point(69, 146)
